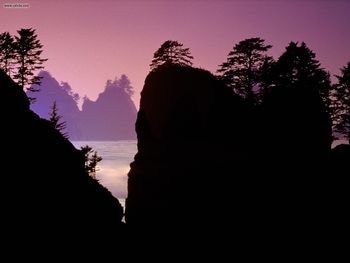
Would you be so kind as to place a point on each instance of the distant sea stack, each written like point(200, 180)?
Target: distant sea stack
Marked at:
point(111, 117)
point(50, 203)
point(51, 91)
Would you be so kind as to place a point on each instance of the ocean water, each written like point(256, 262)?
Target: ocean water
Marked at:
point(113, 169)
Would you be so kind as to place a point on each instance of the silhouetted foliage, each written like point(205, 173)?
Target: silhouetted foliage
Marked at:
point(298, 66)
point(7, 53)
point(65, 86)
point(295, 110)
point(171, 52)
point(342, 95)
point(55, 120)
point(246, 69)
point(28, 51)
point(123, 83)
point(91, 159)
point(266, 77)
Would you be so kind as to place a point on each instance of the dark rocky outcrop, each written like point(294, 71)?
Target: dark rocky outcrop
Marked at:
point(111, 117)
point(49, 203)
point(192, 146)
point(210, 168)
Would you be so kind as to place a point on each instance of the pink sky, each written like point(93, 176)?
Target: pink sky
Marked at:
point(90, 41)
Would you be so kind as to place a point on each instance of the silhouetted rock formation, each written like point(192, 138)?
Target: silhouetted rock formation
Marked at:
point(50, 204)
point(209, 167)
point(111, 117)
point(50, 91)
point(191, 130)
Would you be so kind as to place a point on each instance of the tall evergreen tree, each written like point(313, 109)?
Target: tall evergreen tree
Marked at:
point(91, 159)
point(28, 51)
point(171, 52)
point(342, 95)
point(124, 83)
point(245, 70)
point(65, 86)
point(7, 53)
point(298, 66)
point(56, 122)
point(266, 76)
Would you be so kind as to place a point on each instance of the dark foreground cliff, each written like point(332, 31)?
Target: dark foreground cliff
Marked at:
point(217, 172)
point(212, 176)
point(50, 204)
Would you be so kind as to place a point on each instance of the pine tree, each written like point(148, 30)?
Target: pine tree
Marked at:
point(342, 95)
point(7, 53)
point(298, 66)
point(56, 122)
point(124, 83)
point(66, 87)
point(28, 51)
point(171, 52)
point(245, 70)
point(91, 160)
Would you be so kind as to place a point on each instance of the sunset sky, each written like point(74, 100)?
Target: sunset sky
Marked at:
point(90, 41)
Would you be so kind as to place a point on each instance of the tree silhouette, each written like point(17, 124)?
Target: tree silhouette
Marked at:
point(28, 51)
point(171, 52)
point(91, 160)
point(298, 66)
point(7, 53)
point(266, 77)
point(65, 86)
point(245, 70)
point(342, 95)
point(125, 84)
point(56, 122)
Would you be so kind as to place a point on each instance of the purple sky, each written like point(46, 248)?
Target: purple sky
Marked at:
point(90, 41)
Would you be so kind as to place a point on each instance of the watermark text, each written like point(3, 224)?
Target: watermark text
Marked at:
point(16, 5)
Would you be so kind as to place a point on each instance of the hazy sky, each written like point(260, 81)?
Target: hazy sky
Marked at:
point(90, 41)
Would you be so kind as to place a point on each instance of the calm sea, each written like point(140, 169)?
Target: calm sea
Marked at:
point(113, 169)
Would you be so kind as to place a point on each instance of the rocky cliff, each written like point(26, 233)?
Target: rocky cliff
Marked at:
point(193, 136)
point(211, 168)
point(50, 204)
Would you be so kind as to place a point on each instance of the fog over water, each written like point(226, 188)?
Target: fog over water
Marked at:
point(113, 169)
